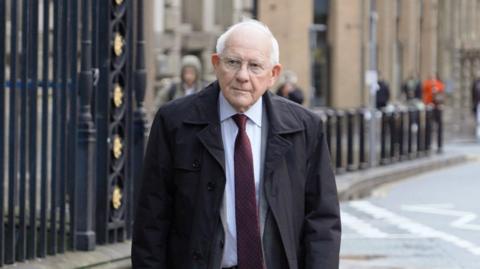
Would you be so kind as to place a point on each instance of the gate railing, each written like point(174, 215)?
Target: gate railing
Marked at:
point(72, 84)
point(404, 133)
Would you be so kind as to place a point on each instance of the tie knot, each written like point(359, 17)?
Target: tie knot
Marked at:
point(240, 120)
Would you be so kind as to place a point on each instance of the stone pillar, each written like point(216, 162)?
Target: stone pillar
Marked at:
point(445, 40)
point(409, 35)
point(345, 26)
point(386, 39)
point(428, 52)
point(365, 52)
point(292, 33)
point(456, 68)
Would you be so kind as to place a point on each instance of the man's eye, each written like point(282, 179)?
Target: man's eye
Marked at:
point(254, 67)
point(233, 62)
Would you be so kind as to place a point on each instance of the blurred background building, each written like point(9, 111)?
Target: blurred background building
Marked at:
point(327, 44)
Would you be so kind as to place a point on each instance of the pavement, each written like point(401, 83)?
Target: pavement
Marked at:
point(425, 221)
point(351, 185)
point(358, 184)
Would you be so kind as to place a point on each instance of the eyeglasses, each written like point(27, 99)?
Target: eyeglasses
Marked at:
point(235, 64)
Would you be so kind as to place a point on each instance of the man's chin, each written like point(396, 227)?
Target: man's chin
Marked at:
point(242, 105)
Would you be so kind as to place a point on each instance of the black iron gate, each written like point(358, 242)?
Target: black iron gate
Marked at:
point(72, 84)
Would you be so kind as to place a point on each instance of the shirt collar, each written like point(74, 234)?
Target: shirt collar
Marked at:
point(254, 113)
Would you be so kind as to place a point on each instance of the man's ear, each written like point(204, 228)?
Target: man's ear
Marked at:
point(276, 70)
point(215, 60)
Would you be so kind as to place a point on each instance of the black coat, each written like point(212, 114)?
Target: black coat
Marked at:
point(178, 222)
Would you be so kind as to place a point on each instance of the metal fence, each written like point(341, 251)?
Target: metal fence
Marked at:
point(72, 84)
point(403, 133)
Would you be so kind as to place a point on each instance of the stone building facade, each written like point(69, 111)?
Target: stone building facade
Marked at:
point(328, 44)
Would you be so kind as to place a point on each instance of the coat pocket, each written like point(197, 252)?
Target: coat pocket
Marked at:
point(187, 160)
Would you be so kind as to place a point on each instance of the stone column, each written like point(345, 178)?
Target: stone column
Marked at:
point(455, 34)
point(410, 37)
point(428, 64)
point(345, 25)
point(292, 33)
point(386, 38)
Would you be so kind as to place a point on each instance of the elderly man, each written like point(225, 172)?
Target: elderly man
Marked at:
point(236, 177)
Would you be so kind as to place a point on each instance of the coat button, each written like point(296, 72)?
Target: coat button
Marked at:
point(197, 256)
point(196, 164)
point(211, 186)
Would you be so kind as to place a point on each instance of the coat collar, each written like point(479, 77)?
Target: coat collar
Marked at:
point(281, 118)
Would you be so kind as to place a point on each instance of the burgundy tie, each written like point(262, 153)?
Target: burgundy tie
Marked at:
point(249, 245)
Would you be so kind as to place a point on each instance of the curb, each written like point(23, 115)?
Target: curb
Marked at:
point(114, 256)
point(356, 185)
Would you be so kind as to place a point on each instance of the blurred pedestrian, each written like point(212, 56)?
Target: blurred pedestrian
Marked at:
point(189, 82)
point(433, 91)
point(289, 89)
point(411, 89)
point(383, 94)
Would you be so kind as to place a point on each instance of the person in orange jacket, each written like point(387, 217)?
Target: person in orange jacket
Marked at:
point(433, 91)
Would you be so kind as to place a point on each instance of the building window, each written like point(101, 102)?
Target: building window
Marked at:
point(320, 54)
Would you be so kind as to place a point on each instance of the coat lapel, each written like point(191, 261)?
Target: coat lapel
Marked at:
point(205, 112)
point(281, 122)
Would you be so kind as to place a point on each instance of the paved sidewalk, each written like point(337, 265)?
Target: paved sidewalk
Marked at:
point(115, 256)
point(354, 185)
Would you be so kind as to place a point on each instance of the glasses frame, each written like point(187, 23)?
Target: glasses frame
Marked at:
point(235, 64)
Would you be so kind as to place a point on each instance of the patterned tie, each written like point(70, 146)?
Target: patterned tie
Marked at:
point(249, 245)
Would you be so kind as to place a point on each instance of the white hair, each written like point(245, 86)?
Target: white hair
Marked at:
point(274, 52)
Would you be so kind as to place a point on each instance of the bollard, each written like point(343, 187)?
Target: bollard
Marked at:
point(383, 137)
point(350, 139)
point(401, 134)
point(421, 132)
point(393, 130)
point(363, 116)
point(439, 123)
point(429, 118)
point(339, 142)
point(330, 131)
point(413, 132)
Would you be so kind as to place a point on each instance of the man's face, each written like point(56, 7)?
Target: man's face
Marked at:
point(244, 70)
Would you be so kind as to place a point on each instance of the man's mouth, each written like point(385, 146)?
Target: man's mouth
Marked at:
point(240, 89)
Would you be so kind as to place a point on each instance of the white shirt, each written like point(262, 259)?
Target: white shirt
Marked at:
point(229, 134)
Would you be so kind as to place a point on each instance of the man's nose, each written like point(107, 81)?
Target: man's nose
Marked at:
point(242, 74)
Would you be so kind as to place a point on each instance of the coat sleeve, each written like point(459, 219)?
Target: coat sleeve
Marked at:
point(322, 228)
point(153, 214)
